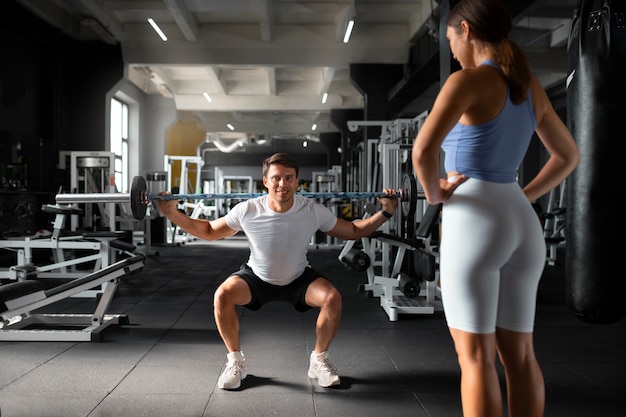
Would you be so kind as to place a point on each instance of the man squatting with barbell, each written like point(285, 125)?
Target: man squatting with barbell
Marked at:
point(279, 227)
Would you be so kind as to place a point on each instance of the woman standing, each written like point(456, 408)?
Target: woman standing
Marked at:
point(492, 249)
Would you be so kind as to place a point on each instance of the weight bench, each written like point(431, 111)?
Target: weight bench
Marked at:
point(19, 300)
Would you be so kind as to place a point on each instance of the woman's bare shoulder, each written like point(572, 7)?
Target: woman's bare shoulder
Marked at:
point(541, 102)
point(474, 79)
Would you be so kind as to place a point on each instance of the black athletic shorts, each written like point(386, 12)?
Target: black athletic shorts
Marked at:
point(263, 292)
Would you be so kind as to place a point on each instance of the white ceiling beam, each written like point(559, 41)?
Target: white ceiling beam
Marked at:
point(159, 77)
point(292, 45)
point(271, 80)
point(213, 124)
point(183, 18)
point(327, 78)
point(265, 20)
point(343, 19)
point(215, 76)
point(264, 103)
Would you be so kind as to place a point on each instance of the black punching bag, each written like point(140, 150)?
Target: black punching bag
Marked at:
point(596, 116)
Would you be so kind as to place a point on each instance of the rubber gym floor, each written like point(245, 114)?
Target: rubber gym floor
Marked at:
point(166, 362)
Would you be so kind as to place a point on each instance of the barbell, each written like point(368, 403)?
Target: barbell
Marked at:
point(139, 197)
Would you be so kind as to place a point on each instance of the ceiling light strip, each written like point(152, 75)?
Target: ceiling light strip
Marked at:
point(349, 28)
point(157, 29)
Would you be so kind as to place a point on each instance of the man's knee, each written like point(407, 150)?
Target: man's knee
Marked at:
point(221, 295)
point(233, 291)
point(333, 299)
point(321, 293)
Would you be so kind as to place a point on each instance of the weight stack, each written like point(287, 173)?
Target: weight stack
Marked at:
point(596, 89)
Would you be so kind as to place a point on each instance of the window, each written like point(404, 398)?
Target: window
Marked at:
point(119, 143)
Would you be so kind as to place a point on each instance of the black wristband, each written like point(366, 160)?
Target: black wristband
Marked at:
point(387, 215)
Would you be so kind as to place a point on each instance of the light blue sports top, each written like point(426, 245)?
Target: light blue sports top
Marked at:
point(492, 151)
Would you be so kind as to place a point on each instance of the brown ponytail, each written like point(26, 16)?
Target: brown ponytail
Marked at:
point(515, 67)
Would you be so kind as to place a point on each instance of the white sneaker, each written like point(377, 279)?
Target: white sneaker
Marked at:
point(235, 371)
point(321, 368)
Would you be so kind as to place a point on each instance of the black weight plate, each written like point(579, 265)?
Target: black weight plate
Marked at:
point(138, 191)
point(409, 184)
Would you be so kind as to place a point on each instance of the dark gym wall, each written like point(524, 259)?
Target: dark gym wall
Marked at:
point(52, 94)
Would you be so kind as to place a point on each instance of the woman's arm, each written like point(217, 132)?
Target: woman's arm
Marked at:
point(564, 154)
point(451, 102)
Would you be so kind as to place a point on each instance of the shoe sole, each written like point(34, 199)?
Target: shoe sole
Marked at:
point(243, 376)
point(313, 375)
point(229, 388)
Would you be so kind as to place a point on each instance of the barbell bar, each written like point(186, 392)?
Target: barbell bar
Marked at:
point(139, 197)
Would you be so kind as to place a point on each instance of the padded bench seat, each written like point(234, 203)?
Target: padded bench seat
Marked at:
point(18, 291)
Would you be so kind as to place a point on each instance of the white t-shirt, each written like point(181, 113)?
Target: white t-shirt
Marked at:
point(279, 242)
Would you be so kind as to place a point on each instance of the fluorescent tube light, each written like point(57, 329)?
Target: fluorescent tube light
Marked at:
point(346, 37)
point(324, 98)
point(231, 127)
point(314, 126)
point(158, 30)
point(207, 97)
